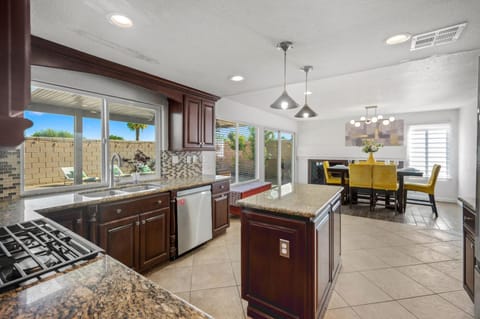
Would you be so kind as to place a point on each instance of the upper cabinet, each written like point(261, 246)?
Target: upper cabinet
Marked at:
point(15, 70)
point(192, 124)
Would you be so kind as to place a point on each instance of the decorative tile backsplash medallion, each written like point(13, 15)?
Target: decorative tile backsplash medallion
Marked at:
point(9, 174)
point(181, 164)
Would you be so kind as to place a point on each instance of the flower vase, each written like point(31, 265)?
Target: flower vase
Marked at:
point(371, 159)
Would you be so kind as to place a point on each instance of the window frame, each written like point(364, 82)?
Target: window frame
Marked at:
point(256, 159)
point(160, 129)
point(279, 153)
point(441, 125)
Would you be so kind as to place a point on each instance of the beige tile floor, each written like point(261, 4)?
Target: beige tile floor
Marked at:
point(390, 271)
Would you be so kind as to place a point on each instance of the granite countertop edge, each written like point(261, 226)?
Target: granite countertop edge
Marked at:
point(468, 202)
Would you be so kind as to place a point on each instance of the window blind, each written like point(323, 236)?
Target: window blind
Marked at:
point(428, 145)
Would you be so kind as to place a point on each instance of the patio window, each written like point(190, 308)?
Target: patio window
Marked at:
point(66, 149)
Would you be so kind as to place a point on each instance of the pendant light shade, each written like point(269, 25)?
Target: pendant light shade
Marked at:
point(284, 101)
point(306, 111)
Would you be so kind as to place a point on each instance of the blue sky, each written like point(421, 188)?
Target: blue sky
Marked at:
point(91, 126)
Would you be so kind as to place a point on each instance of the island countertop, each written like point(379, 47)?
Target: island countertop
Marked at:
point(304, 200)
point(104, 288)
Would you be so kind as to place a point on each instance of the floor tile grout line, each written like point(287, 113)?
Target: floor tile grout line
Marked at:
point(440, 295)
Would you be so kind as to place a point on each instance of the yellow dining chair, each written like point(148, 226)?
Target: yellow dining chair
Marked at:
point(385, 182)
point(329, 178)
point(360, 178)
point(428, 188)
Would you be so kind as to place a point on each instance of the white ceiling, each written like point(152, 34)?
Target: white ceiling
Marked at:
point(202, 43)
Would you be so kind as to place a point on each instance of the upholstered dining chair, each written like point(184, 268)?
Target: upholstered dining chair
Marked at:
point(384, 182)
point(428, 188)
point(329, 178)
point(360, 178)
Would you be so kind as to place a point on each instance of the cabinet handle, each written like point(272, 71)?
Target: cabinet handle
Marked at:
point(159, 202)
point(119, 210)
point(467, 218)
point(137, 223)
point(222, 186)
point(79, 221)
point(471, 245)
point(143, 222)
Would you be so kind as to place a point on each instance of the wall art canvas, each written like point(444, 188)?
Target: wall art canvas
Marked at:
point(388, 135)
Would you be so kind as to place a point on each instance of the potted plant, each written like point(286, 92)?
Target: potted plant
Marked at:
point(370, 147)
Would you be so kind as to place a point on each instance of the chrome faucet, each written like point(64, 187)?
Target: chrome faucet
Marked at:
point(112, 170)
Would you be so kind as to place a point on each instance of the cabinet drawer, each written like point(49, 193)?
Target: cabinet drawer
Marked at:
point(117, 210)
point(469, 220)
point(220, 187)
point(155, 202)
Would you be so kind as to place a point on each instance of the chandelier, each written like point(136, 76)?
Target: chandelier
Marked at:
point(367, 119)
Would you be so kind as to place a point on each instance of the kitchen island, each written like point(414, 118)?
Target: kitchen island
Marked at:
point(290, 250)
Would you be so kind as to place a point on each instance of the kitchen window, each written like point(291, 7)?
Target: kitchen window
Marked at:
point(235, 147)
point(66, 149)
point(429, 145)
point(279, 160)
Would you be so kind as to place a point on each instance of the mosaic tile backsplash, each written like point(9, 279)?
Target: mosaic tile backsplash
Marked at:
point(9, 174)
point(181, 164)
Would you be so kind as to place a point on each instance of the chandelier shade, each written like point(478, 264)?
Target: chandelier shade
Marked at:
point(284, 101)
point(306, 111)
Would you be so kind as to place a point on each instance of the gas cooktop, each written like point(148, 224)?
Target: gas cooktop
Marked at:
point(35, 249)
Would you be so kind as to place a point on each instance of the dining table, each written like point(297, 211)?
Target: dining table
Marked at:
point(342, 170)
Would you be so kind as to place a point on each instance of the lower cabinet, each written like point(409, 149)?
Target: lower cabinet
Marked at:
point(220, 213)
point(140, 236)
point(154, 238)
point(72, 219)
point(119, 238)
point(469, 265)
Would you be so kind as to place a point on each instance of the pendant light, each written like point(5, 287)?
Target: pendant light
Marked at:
point(306, 112)
point(284, 102)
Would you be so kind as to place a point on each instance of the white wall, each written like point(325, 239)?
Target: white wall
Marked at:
point(467, 151)
point(326, 139)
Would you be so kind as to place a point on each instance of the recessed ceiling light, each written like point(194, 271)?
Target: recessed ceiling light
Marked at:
point(120, 20)
point(237, 78)
point(307, 92)
point(398, 38)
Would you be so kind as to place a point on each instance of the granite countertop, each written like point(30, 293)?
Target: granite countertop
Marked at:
point(102, 289)
point(27, 208)
point(468, 201)
point(304, 200)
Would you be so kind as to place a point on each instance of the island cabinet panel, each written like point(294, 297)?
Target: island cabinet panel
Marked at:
point(120, 240)
point(269, 277)
point(289, 262)
point(154, 238)
point(469, 217)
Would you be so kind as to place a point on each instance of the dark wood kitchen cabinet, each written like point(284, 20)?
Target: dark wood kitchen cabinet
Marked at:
point(289, 264)
point(136, 232)
point(469, 217)
point(73, 219)
point(192, 124)
point(15, 70)
point(120, 240)
point(220, 207)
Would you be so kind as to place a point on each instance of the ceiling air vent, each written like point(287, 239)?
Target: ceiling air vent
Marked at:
point(437, 37)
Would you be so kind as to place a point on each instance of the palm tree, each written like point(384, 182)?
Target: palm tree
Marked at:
point(137, 127)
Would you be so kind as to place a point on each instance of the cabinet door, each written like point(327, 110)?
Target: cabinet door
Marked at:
point(71, 219)
point(192, 122)
point(119, 238)
point(323, 272)
point(335, 218)
point(220, 213)
point(469, 264)
point(208, 125)
point(154, 237)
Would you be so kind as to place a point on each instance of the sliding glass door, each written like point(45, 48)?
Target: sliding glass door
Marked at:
point(279, 161)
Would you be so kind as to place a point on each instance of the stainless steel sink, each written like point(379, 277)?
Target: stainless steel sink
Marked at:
point(107, 193)
point(139, 188)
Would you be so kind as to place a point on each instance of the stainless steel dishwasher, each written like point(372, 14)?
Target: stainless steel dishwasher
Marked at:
point(194, 217)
